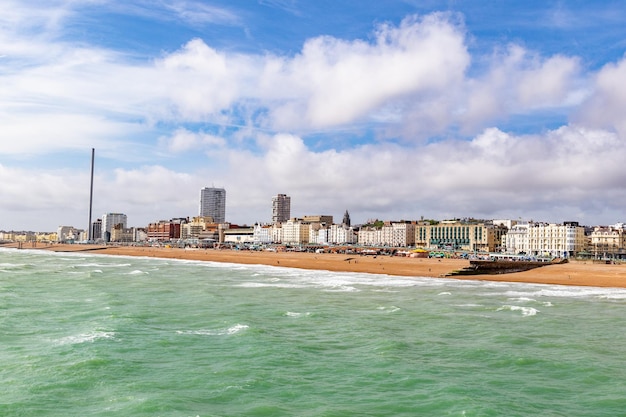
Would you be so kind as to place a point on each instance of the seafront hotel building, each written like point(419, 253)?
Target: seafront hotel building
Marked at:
point(458, 235)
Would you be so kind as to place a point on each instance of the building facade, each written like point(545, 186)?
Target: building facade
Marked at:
point(164, 230)
point(556, 240)
point(213, 204)
point(109, 221)
point(281, 208)
point(295, 232)
point(516, 240)
point(456, 235)
point(608, 242)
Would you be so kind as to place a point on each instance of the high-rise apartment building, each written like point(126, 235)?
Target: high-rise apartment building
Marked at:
point(109, 221)
point(281, 208)
point(213, 204)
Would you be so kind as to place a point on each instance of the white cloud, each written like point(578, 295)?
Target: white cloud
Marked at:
point(605, 107)
point(519, 82)
point(183, 140)
point(333, 82)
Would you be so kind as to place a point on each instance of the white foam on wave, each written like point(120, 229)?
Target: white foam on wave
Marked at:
point(10, 265)
point(293, 314)
point(100, 265)
point(536, 291)
point(215, 332)
point(88, 337)
point(526, 311)
point(390, 309)
point(137, 272)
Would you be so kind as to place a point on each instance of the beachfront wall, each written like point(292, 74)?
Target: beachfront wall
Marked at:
point(456, 235)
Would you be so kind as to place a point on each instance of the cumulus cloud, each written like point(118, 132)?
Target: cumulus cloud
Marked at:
point(519, 81)
point(342, 81)
point(605, 106)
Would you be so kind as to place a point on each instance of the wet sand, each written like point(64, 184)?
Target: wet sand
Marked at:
point(573, 273)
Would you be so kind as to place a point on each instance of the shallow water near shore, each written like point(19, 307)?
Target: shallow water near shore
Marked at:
point(97, 335)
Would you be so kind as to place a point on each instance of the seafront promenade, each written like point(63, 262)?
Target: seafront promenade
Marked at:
point(580, 273)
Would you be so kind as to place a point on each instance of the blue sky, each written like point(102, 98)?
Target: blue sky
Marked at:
point(391, 110)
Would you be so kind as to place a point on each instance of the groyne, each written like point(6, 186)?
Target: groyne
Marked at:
point(488, 267)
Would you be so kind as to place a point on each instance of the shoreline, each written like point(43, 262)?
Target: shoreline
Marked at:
point(576, 273)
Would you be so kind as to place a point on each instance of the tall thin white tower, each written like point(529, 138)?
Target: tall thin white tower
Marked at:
point(89, 231)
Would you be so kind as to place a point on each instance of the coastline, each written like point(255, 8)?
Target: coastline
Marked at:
point(577, 273)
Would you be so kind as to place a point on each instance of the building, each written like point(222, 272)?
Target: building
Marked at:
point(196, 228)
point(213, 204)
point(319, 218)
point(281, 208)
point(110, 220)
point(341, 234)
point(262, 234)
point(516, 240)
point(456, 235)
point(122, 234)
point(370, 236)
point(239, 235)
point(96, 229)
point(295, 232)
point(165, 230)
point(609, 242)
point(346, 219)
point(556, 240)
point(65, 234)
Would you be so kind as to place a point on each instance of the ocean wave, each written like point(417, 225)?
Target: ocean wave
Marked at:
point(390, 309)
point(215, 332)
point(86, 337)
point(137, 272)
point(526, 311)
point(293, 314)
point(101, 265)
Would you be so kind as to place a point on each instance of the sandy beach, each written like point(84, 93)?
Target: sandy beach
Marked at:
point(580, 273)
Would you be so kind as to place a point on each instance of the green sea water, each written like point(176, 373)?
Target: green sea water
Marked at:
point(89, 335)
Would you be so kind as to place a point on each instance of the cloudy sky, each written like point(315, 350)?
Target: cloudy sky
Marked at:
point(391, 110)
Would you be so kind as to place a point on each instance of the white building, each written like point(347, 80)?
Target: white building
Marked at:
point(609, 241)
point(516, 239)
point(399, 234)
point(109, 221)
point(213, 204)
point(557, 240)
point(67, 233)
point(262, 234)
point(369, 236)
point(340, 234)
point(295, 232)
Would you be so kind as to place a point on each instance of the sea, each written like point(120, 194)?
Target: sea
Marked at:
point(95, 335)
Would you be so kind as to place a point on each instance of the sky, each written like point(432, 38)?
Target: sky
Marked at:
point(394, 110)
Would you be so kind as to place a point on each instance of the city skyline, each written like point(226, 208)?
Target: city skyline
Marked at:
point(392, 110)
